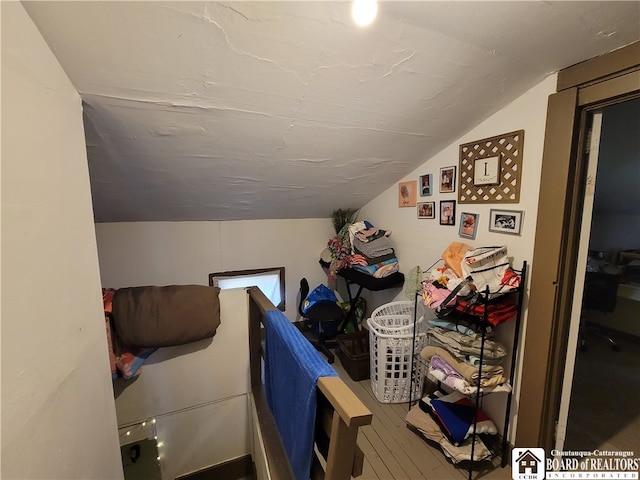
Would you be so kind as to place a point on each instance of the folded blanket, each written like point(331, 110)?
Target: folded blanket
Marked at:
point(438, 363)
point(359, 259)
point(461, 385)
point(490, 375)
point(459, 453)
point(386, 270)
point(456, 413)
point(291, 370)
point(371, 234)
point(463, 326)
point(461, 345)
point(375, 248)
point(379, 270)
point(422, 422)
point(475, 360)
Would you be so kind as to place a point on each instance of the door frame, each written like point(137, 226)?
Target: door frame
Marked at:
point(602, 81)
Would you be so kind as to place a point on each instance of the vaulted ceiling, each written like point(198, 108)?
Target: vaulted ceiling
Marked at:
point(245, 110)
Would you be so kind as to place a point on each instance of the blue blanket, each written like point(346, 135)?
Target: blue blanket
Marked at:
point(291, 370)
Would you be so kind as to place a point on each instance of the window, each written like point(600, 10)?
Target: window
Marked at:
point(269, 280)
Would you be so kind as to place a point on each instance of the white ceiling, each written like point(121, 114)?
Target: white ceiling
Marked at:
point(244, 110)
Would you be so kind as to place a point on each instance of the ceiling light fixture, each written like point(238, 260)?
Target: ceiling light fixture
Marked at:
point(364, 12)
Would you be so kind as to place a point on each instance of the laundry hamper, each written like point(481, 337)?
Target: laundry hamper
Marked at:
point(392, 344)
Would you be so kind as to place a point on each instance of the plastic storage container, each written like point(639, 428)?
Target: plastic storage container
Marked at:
point(353, 352)
point(392, 344)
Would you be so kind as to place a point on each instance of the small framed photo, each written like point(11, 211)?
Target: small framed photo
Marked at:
point(407, 193)
point(506, 221)
point(448, 179)
point(426, 209)
point(468, 225)
point(448, 212)
point(426, 185)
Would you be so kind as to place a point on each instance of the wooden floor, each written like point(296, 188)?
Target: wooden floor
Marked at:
point(606, 415)
point(393, 451)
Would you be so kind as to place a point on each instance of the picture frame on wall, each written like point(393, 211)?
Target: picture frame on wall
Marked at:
point(468, 225)
point(506, 221)
point(426, 185)
point(426, 209)
point(447, 212)
point(448, 179)
point(407, 193)
point(490, 170)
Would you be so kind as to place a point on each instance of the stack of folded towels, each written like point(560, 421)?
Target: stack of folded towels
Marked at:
point(372, 251)
point(454, 359)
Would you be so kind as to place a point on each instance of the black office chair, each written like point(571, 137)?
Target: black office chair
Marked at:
point(600, 294)
point(322, 320)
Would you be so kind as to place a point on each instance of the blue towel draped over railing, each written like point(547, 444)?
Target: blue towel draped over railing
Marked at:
point(291, 370)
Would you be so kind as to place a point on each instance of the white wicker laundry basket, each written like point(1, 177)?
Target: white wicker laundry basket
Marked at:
point(391, 340)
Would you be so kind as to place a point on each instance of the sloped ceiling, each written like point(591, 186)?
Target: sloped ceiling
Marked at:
point(245, 110)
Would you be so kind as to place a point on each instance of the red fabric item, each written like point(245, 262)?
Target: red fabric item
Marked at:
point(107, 299)
point(497, 313)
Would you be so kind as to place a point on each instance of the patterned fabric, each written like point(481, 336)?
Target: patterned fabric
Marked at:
point(124, 363)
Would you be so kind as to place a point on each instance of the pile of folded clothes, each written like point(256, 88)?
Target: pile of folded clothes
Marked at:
point(371, 250)
point(448, 420)
point(453, 355)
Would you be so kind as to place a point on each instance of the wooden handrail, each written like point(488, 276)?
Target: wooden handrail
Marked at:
point(344, 459)
point(276, 456)
point(352, 411)
point(259, 304)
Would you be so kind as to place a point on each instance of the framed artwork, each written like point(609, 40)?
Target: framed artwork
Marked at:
point(426, 185)
point(448, 179)
point(490, 169)
point(426, 209)
point(505, 221)
point(407, 193)
point(468, 225)
point(486, 171)
point(448, 212)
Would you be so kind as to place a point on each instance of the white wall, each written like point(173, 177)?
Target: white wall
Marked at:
point(55, 369)
point(197, 393)
point(421, 242)
point(166, 253)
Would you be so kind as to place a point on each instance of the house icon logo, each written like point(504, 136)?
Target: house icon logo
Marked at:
point(527, 464)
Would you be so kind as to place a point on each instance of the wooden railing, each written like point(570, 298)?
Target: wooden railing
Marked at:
point(340, 413)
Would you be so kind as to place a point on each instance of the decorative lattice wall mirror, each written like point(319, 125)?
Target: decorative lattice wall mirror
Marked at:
point(490, 169)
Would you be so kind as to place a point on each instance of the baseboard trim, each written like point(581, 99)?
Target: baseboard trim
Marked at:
point(236, 469)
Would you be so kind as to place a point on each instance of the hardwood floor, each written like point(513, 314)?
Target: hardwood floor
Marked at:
point(393, 451)
point(604, 412)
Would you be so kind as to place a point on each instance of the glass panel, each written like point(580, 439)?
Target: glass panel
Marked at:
point(269, 280)
point(139, 450)
point(269, 283)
